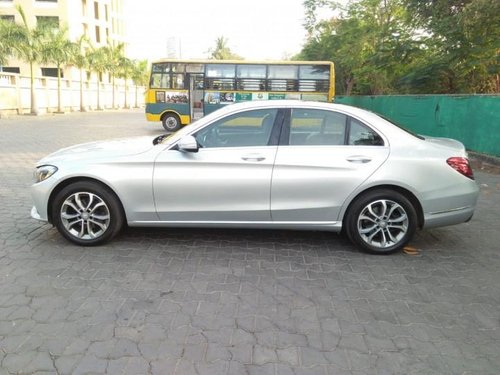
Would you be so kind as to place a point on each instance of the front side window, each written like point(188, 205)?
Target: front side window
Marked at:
point(317, 127)
point(245, 129)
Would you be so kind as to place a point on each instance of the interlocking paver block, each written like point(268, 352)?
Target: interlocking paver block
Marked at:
point(221, 301)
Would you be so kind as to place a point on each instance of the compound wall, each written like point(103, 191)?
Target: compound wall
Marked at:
point(472, 119)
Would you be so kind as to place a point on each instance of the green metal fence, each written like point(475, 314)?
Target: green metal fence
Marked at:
point(472, 119)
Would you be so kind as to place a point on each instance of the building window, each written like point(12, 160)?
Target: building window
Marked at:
point(84, 8)
point(96, 10)
point(10, 69)
point(98, 34)
point(51, 72)
point(85, 29)
point(7, 18)
point(48, 21)
point(46, 1)
point(106, 12)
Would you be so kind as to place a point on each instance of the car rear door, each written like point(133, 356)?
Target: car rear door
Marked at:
point(323, 156)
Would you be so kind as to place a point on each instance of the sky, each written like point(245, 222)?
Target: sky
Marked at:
point(254, 29)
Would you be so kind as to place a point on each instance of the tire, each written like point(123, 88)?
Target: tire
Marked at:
point(171, 122)
point(87, 213)
point(381, 221)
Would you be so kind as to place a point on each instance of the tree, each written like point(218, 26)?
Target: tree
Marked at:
point(140, 76)
point(125, 72)
point(97, 59)
point(221, 51)
point(10, 36)
point(368, 42)
point(29, 48)
point(80, 59)
point(466, 36)
point(59, 50)
point(113, 56)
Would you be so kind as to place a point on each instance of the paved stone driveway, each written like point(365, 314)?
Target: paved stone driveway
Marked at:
point(232, 301)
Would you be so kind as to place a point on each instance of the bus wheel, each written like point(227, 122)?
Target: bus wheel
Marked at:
point(171, 122)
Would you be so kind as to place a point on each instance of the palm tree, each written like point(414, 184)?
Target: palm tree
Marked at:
point(222, 51)
point(29, 48)
point(114, 55)
point(97, 59)
point(10, 35)
point(126, 69)
point(81, 61)
point(58, 50)
point(140, 76)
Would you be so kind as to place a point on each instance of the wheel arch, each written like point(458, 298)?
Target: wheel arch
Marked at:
point(72, 180)
point(170, 111)
point(407, 193)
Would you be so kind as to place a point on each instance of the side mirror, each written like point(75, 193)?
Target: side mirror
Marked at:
point(188, 143)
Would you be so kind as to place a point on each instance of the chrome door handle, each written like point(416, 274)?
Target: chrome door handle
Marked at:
point(359, 159)
point(253, 157)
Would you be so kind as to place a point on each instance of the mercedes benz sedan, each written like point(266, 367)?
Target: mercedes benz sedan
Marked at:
point(269, 164)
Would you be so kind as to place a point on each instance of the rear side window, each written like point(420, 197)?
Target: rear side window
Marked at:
point(362, 135)
point(317, 127)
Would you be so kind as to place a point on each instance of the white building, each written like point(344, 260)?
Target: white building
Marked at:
point(101, 21)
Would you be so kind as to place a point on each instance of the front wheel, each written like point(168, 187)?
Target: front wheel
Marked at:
point(87, 213)
point(171, 122)
point(381, 221)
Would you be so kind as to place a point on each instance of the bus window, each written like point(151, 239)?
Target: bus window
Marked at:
point(251, 77)
point(177, 68)
point(314, 78)
point(220, 70)
point(283, 72)
point(160, 68)
point(283, 77)
point(314, 72)
point(220, 76)
point(178, 81)
point(195, 68)
point(160, 81)
point(251, 71)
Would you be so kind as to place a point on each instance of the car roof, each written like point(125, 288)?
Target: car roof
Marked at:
point(292, 103)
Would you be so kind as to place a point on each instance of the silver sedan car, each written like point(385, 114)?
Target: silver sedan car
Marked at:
point(270, 164)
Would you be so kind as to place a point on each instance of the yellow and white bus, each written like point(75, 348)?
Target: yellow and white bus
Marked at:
point(181, 91)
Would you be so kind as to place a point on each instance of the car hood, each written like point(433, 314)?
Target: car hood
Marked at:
point(99, 150)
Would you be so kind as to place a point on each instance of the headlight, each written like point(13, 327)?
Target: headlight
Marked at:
point(44, 172)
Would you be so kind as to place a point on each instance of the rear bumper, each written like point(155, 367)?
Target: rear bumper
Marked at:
point(449, 209)
point(451, 217)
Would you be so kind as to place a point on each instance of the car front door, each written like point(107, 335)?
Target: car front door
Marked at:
point(322, 158)
point(228, 179)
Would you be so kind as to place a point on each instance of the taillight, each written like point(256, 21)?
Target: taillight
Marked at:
point(461, 165)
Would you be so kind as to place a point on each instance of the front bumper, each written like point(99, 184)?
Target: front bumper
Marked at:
point(35, 215)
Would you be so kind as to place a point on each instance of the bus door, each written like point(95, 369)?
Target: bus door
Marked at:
point(196, 96)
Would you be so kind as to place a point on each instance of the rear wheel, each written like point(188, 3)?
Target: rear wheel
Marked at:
point(171, 122)
point(87, 213)
point(381, 221)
